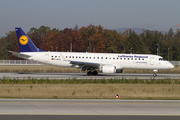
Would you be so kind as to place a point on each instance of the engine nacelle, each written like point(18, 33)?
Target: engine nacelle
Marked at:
point(119, 71)
point(108, 69)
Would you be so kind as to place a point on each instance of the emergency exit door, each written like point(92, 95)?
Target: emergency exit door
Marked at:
point(46, 57)
point(152, 60)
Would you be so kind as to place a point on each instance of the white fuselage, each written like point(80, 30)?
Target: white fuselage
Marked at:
point(120, 61)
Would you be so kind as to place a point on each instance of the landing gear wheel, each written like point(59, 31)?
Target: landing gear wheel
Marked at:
point(95, 72)
point(155, 71)
point(154, 74)
point(89, 73)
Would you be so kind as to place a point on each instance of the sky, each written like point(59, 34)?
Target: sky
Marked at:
point(160, 15)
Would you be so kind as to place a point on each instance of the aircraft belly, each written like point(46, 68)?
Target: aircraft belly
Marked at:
point(63, 64)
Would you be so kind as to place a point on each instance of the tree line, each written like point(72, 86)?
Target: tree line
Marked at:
point(97, 39)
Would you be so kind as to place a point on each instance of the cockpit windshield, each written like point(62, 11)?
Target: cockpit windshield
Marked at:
point(162, 59)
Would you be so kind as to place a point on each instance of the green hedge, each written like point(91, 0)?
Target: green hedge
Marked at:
point(30, 80)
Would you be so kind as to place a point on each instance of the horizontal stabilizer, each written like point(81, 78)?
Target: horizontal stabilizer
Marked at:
point(20, 55)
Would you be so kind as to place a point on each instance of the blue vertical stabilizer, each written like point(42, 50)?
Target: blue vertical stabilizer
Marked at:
point(25, 43)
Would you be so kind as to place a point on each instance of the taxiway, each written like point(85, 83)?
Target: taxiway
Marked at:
point(84, 76)
point(89, 107)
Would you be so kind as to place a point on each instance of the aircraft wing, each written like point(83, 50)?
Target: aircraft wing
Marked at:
point(85, 65)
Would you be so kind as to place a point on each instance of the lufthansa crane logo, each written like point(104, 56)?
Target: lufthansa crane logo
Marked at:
point(23, 40)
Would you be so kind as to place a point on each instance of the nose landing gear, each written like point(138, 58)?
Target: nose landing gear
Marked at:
point(155, 73)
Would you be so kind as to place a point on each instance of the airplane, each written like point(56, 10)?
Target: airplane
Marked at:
point(90, 62)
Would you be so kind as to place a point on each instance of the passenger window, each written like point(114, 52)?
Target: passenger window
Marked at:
point(120, 58)
point(139, 58)
point(109, 57)
point(89, 57)
point(93, 57)
point(106, 57)
point(124, 58)
point(79, 56)
point(117, 58)
point(131, 58)
point(113, 58)
point(135, 58)
point(82, 57)
point(128, 58)
point(55, 56)
point(101, 57)
point(69, 56)
point(143, 59)
point(66, 56)
point(72, 56)
point(97, 57)
point(76, 56)
point(86, 57)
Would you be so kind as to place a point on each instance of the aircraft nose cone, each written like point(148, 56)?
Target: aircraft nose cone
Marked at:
point(171, 66)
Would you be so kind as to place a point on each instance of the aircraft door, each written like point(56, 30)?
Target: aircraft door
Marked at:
point(46, 57)
point(151, 60)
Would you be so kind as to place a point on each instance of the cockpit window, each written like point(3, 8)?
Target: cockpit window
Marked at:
point(162, 59)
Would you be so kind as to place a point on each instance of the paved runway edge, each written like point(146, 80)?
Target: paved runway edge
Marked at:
point(89, 114)
point(63, 76)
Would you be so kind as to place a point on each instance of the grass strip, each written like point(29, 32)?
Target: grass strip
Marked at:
point(91, 91)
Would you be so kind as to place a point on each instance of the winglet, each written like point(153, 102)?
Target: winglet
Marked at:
point(25, 43)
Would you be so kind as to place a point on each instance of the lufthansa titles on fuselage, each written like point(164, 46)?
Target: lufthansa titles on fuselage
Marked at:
point(132, 56)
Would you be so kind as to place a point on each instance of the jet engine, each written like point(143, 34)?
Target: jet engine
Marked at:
point(108, 69)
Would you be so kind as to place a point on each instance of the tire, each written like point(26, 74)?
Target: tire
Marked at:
point(95, 72)
point(154, 75)
point(89, 73)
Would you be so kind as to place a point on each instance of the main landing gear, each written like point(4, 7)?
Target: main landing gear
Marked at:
point(155, 73)
point(92, 73)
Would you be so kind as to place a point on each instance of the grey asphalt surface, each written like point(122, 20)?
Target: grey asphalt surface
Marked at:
point(85, 117)
point(84, 76)
point(89, 107)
